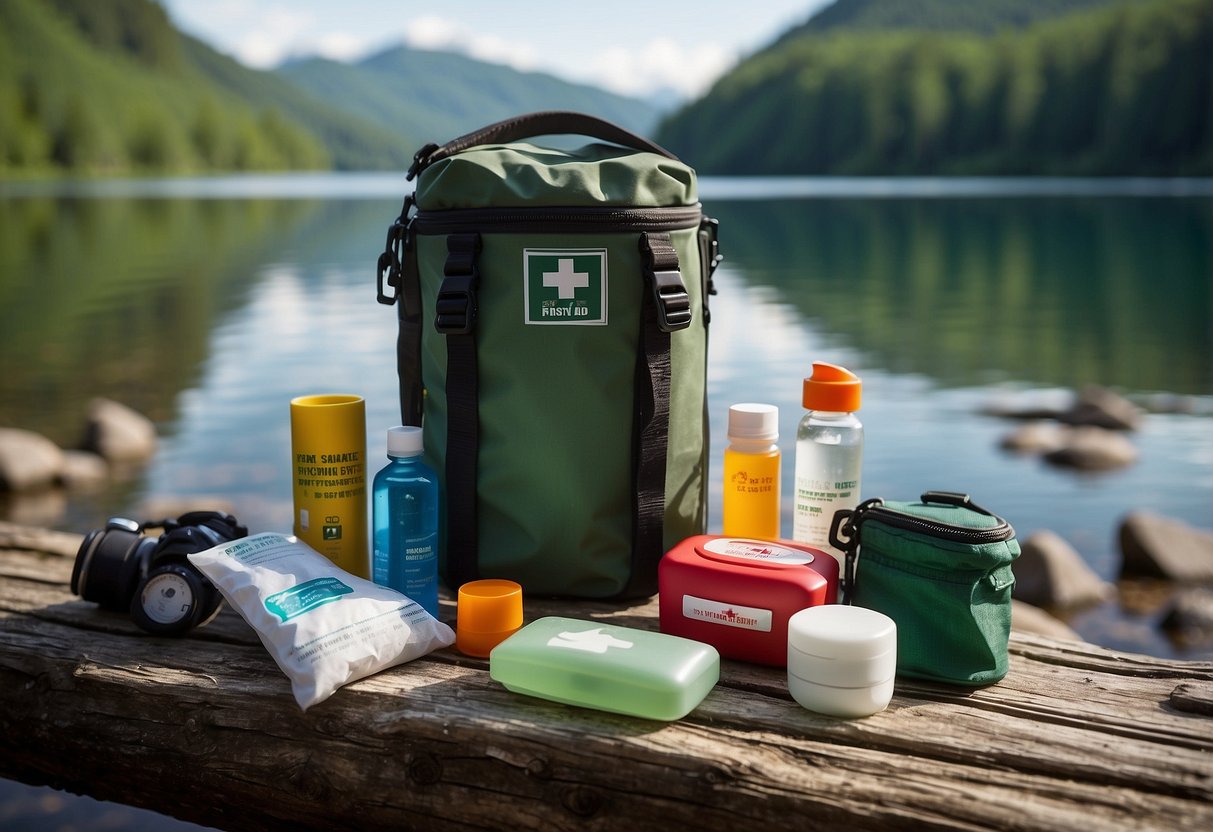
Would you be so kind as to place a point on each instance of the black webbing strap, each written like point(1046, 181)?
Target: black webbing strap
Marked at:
point(408, 343)
point(455, 316)
point(651, 414)
point(397, 270)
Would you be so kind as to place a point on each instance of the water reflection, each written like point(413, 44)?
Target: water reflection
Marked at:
point(1060, 291)
point(209, 313)
point(119, 297)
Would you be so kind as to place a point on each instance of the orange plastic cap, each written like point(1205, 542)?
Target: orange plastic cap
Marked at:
point(489, 612)
point(831, 388)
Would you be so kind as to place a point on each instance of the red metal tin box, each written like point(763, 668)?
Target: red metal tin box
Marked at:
point(737, 594)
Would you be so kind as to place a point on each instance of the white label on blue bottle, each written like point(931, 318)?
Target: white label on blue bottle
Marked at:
point(730, 615)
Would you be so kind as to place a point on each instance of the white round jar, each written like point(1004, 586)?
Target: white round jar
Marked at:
point(842, 659)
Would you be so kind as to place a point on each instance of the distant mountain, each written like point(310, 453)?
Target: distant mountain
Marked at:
point(353, 142)
point(423, 96)
point(981, 16)
point(113, 87)
point(891, 87)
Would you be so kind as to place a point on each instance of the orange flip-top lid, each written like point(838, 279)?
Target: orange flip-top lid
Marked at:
point(831, 388)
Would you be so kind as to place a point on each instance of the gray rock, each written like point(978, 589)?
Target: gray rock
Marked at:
point(1173, 403)
point(1036, 438)
point(83, 469)
point(1094, 449)
point(1032, 406)
point(1050, 573)
point(1026, 618)
point(44, 508)
point(1190, 615)
point(28, 461)
point(1152, 545)
point(1101, 408)
point(118, 433)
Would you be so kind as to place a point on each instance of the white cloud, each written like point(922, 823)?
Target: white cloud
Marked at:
point(263, 33)
point(440, 33)
point(271, 34)
point(342, 46)
point(431, 32)
point(660, 63)
point(501, 51)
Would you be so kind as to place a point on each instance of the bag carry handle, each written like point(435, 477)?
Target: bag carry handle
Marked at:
point(542, 123)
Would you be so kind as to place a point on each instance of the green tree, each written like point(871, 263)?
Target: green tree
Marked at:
point(154, 142)
point(1123, 89)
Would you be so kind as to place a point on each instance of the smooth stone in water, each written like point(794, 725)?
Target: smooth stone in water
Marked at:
point(1152, 545)
point(1050, 573)
point(118, 433)
point(1094, 449)
point(28, 461)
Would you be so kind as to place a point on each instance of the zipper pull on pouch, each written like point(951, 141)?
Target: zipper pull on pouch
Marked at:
point(953, 498)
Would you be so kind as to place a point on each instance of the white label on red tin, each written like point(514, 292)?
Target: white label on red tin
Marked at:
point(738, 547)
point(730, 615)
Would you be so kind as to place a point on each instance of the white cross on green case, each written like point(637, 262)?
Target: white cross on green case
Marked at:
point(610, 668)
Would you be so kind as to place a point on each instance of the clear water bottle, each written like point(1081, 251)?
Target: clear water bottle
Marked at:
point(829, 455)
point(405, 520)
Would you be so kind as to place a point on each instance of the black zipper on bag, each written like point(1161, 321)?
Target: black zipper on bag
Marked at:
point(876, 510)
point(556, 219)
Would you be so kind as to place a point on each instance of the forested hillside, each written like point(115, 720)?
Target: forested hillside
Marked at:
point(978, 16)
point(427, 96)
point(110, 87)
point(1122, 89)
point(90, 87)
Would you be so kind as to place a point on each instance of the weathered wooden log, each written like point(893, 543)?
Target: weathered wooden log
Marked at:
point(204, 728)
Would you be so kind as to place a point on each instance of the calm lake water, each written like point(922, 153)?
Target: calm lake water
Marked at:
point(208, 304)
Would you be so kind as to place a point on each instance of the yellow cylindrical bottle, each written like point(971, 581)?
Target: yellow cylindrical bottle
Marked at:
point(328, 456)
point(751, 472)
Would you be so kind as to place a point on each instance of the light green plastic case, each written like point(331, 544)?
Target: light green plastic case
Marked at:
point(596, 665)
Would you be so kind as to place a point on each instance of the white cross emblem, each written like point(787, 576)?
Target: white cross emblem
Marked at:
point(565, 280)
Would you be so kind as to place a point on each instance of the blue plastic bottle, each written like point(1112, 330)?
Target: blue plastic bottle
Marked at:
point(405, 514)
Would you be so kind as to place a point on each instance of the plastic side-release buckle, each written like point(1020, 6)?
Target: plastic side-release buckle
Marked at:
point(456, 306)
point(455, 309)
point(673, 302)
point(661, 269)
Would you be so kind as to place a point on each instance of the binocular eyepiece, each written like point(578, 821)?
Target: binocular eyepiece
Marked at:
point(122, 569)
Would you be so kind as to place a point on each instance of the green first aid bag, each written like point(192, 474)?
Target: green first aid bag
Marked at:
point(941, 569)
point(553, 346)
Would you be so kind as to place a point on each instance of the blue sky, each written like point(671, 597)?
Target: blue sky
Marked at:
point(627, 46)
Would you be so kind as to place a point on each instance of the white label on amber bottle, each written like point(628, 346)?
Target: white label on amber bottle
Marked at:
point(730, 615)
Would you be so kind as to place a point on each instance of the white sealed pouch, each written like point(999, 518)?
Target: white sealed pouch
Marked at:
point(323, 626)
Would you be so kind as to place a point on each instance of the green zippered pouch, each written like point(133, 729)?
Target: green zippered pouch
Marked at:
point(941, 569)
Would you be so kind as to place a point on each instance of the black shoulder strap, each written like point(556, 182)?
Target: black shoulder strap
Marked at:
point(664, 309)
point(408, 343)
point(456, 309)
